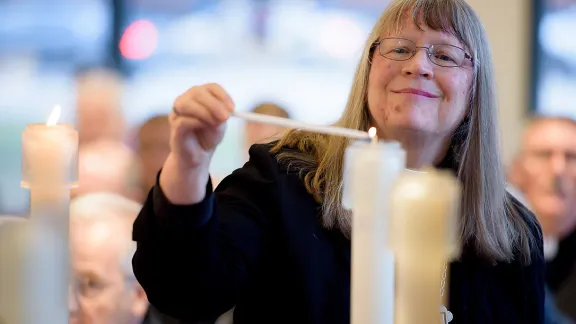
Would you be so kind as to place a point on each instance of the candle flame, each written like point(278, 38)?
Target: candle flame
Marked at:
point(54, 116)
point(372, 134)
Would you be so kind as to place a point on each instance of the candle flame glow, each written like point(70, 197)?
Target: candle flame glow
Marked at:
point(372, 134)
point(54, 116)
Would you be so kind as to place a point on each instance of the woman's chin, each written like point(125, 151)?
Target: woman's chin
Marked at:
point(410, 124)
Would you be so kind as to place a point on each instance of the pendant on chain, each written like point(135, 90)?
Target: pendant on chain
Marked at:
point(446, 315)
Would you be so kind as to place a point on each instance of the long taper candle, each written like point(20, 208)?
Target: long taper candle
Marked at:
point(49, 164)
point(289, 123)
point(370, 171)
point(424, 235)
point(11, 274)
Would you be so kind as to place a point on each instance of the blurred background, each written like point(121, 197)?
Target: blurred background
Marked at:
point(278, 51)
point(116, 66)
point(299, 53)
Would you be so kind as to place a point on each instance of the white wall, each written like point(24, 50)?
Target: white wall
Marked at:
point(507, 23)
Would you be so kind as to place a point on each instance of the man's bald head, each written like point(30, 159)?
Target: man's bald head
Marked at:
point(104, 288)
point(99, 106)
point(545, 171)
point(256, 133)
point(543, 125)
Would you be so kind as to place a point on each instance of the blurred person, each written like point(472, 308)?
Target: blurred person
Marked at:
point(105, 290)
point(256, 133)
point(544, 171)
point(99, 106)
point(152, 149)
point(105, 165)
point(274, 238)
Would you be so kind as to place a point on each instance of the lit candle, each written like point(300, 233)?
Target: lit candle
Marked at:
point(369, 172)
point(49, 154)
point(424, 238)
point(49, 170)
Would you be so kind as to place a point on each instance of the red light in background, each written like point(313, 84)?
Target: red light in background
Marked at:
point(139, 40)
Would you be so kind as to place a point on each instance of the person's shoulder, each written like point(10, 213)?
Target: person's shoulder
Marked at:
point(533, 226)
point(262, 164)
point(262, 155)
point(262, 150)
point(269, 152)
point(268, 149)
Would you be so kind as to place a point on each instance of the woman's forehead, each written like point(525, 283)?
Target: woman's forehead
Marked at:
point(421, 34)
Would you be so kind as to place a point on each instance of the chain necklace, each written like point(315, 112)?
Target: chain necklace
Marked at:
point(445, 314)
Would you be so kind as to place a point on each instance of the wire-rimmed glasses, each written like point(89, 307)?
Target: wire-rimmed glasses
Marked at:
point(400, 49)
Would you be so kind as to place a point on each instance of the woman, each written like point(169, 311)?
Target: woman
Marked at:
point(274, 240)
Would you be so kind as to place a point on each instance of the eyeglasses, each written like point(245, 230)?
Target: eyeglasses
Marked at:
point(400, 49)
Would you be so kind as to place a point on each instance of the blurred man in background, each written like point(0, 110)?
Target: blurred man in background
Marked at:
point(545, 173)
point(262, 133)
point(152, 149)
point(258, 133)
point(104, 290)
point(104, 159)
point(106, 165)
point(99, 106)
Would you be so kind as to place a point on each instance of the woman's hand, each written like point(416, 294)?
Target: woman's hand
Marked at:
point(197, 122)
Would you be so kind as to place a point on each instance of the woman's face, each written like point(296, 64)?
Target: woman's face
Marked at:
point(416, 95)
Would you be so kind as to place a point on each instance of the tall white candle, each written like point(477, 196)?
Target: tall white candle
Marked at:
point(424, 236)
point(369, 172)
point(11, 276)
point(49, 164)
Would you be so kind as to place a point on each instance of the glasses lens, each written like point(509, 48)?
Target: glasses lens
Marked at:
point(446, 55)
point(397, 49)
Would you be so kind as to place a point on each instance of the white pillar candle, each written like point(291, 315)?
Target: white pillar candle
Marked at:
point(424, 232)
point(49, 164)
point(369, 172)
point(49, 154)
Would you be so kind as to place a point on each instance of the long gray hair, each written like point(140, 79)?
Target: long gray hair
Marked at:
point(490, 223)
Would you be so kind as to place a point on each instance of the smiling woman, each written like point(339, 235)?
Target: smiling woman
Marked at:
point(283, 247)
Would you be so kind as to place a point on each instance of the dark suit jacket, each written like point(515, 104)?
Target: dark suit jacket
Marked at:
point(154, 316)
point(257, 243)
point(561, 276)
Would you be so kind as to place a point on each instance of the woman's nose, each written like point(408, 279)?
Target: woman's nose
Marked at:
point(419, 65)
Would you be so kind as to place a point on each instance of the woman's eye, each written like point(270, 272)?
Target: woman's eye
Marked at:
point(400, 50)
point(444, 57)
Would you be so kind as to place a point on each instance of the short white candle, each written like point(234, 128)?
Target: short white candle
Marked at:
point(424, 235)
point(370, 171)
point(49, 164)
point(49, 154)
